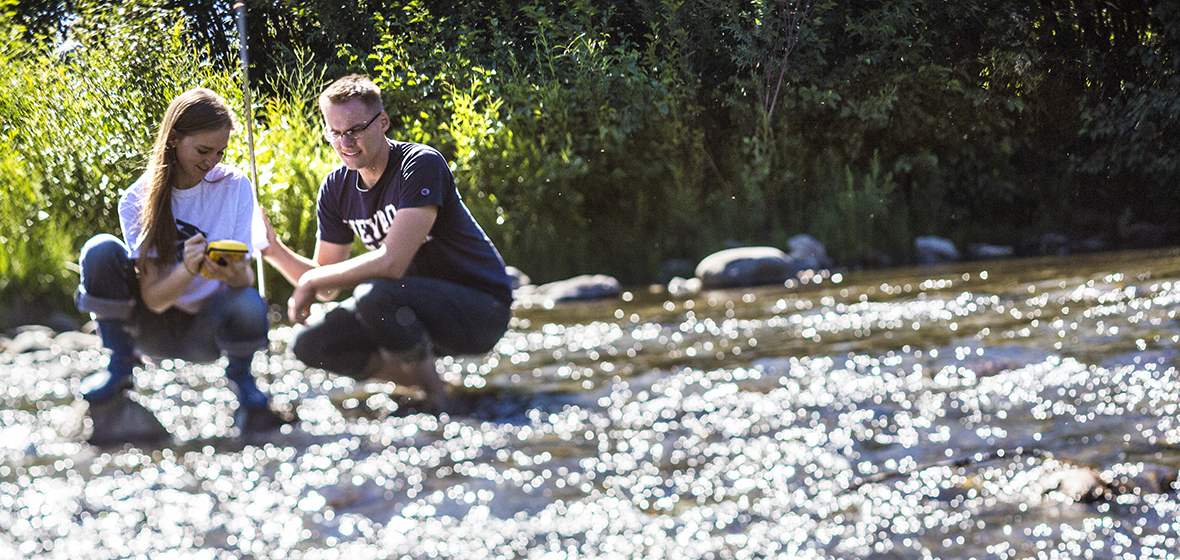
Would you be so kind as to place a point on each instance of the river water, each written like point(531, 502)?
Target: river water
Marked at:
point(1014, 409)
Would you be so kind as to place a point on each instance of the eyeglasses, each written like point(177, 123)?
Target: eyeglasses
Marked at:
point(354, 133)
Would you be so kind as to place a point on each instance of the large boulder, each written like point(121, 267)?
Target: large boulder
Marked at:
point(984, 251)
point(808, 253)
point(1142, 235)
point(121, 420)
point(580, 288)
point(1048, 244)
point(745, 266)
point(1092, 244)
point(30, 339)
point(935, 250)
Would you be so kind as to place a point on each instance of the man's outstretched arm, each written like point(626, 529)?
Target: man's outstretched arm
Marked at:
point(391, 260)
point(289, 263)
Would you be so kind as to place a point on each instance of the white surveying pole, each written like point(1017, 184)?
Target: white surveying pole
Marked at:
point(240, 8)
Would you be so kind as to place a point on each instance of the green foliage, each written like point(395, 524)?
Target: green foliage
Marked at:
point(36, 250)
point(84, 118)
point(1128, 134)
point(860, 217)
point(621, 173)
point(333, 32)
point(474, 124)
point(81, 118)
point(415, 73)
point(291, 159)
point(598, 137)
point(524, 127)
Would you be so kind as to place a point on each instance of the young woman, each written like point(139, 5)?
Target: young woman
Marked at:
point(159, 294)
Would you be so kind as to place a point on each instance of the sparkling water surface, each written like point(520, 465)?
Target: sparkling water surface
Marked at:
point(1008, 409)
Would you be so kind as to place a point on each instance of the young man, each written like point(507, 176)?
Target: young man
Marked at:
point(431, 281)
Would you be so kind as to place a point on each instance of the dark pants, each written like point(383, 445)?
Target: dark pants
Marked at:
point(233, 322)
point(402, 316)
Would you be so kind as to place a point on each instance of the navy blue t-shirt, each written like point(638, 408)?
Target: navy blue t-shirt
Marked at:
point(456, 250)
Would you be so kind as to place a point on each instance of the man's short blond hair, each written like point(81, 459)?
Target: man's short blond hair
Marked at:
point(353, 86)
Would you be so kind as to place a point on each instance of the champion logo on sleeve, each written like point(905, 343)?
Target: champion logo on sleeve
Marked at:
point(425, 192)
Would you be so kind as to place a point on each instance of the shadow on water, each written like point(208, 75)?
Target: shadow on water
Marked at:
point(1015, 409)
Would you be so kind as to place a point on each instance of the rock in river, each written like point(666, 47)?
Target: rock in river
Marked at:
point(745, 266)
point(121, 420)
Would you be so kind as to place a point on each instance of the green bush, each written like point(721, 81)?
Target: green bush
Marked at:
point(33, 264)
point(291, 159)
point(592, 163)
point(861, 216)
point(87, 116)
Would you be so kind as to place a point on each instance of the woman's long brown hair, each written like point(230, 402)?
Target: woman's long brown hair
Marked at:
point(194, 111)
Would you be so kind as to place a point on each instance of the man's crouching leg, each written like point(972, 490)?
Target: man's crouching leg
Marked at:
point(413, 368)
point(404, 354)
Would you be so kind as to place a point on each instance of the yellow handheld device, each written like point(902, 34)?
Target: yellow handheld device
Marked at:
point(224, 251)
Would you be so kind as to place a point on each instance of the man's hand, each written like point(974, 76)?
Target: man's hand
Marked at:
point(299, 306)
point(272, 238)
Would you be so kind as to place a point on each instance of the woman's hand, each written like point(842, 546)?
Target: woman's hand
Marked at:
point(160, 287)
point(235, 273)
point(194, 253)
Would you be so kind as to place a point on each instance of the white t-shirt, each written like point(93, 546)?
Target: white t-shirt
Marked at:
point(222, 206)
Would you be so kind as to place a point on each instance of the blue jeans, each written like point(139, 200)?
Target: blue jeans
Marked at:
point(233, 322)
point(402, 316)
